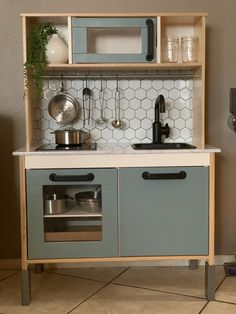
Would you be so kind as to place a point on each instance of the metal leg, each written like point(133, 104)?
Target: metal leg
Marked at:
point(210, 281)
point(193, 264)
point(25, 287)
point(38, 268)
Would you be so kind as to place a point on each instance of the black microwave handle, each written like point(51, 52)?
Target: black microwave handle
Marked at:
point(68, 178)
point(150, 40)
point(164, 176)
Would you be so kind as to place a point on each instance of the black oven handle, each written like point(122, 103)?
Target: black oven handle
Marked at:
point(87, 177)
point(164, 176)
point(150, 40)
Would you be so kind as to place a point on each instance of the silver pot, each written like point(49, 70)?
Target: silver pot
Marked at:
point(56, 204)
point(70, 137)
point(89, 200)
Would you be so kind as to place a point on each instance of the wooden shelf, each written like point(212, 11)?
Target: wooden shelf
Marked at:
point(75, 213)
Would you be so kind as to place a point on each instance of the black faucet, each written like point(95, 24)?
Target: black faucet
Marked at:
point(157, 129)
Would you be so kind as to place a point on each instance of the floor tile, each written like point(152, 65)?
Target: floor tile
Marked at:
point(227, 291)
point(51, 294)
point(173, 279)
point(104, 274)
point(6, 273)
point(219, 308)
point(115, 299)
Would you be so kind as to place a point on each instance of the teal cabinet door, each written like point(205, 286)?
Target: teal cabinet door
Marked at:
point(163, 211)
point(76, 232)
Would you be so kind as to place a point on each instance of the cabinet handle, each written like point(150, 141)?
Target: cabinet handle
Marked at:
point(86, 177)
point(164, 176)
point(150, 40)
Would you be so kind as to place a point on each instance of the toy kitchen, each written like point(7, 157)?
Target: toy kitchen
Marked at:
point(115, 144)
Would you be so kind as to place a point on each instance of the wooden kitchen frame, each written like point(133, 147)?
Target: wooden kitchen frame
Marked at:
point(177, 24)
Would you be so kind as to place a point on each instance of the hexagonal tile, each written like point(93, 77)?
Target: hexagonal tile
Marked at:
point(129, 93)
point(180, 104)
point(157, 84)
point(146, 84)
point(77, 84)
point(189, 123)
point(107, 113)
point(134, 84)
point(185, 133)
point(48, 94)
point(140, 113)
point(44, 124)
point(147, 104)
point(189, 104)
point(179, 123)
point(108, 94)
point(118, 134)
point(54, 85)
point(135, 123)
point(152, 94)
point(111, 104)
point(146, 123)
point(111, 84)
point(180, 84)
point(173, 113)
point(150, 114)
point(48, 135)
point(130, 134)
point(185, 93)
point(169, 84)
point(106, 134)
point(174, 133)
point(163, 92)
point(140, 93)
point(129, 114)
point(72, 92)
point(134, 103)
point(174, 94)
point(140, 134)
point(189, 84)
point(123, 84)
point(185, 113)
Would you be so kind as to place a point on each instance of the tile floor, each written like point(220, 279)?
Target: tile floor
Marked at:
point(119, 290)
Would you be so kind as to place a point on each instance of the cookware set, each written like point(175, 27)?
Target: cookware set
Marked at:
point(57, 203)
point(65, 109)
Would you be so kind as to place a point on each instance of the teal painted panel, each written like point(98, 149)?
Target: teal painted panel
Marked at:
point(101, 176)
point(38, 248)
point(163, 217)
point(80, 41)
point(95, 57)
point(109, 22)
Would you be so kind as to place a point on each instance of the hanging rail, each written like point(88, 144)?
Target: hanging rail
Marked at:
point(128, 76)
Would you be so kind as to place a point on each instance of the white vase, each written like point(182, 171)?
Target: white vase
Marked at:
point(56, 50)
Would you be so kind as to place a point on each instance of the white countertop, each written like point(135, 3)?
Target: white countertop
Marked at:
point(113, 149)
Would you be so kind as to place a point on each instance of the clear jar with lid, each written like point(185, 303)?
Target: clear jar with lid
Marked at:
point(170, 46)
point(189, 48)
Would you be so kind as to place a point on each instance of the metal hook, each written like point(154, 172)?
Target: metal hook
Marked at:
point(117, 86)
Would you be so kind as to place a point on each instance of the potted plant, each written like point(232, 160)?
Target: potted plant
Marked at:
point(37, 59)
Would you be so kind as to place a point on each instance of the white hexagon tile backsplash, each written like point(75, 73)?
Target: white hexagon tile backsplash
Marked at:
point(137, 101)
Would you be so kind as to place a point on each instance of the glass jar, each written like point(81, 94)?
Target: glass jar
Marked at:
point(189, 48)
point(170, 46)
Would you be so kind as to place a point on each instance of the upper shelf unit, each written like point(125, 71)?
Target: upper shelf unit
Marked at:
point(123, 41)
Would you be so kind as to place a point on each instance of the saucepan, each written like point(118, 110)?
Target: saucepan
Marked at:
point(56, 203)
point(70, 136)
point(89, 200)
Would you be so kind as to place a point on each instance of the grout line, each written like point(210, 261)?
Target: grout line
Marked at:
point(106, 284)
point(220, 301)
point(204, 306)
point(8, 277)
point(73, 276)
point(159, 290)
point(220, 283)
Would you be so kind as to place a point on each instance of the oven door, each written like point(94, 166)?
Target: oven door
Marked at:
point(72, 213)
point(108, 40)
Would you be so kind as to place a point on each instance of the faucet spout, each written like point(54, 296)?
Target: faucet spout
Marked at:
point(158, 129)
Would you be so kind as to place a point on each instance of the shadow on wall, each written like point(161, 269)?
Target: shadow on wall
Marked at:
point(9, 193)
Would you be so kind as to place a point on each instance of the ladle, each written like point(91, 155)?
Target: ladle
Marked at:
point(117, 123)
point(101, 120)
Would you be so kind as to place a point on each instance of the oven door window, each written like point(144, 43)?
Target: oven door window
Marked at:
point(72, 213)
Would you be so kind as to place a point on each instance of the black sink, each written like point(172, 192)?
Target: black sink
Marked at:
point(162, 146)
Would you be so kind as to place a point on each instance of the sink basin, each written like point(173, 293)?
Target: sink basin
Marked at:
point(163, 146)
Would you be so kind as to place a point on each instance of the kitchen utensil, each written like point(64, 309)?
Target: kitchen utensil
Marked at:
point(101, 120)
point(56, 204)
point(89, 200)
point(70, 136)
point(117, 123)
point(87, 97)
point(63, 108)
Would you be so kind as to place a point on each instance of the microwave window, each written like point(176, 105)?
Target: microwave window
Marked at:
point(121, 40)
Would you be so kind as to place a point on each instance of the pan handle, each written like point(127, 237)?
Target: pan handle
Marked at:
point(87, 177)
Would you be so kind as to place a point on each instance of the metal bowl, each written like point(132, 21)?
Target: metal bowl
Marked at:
point(89, 200)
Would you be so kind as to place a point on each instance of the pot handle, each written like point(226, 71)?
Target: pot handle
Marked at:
point(86, 177)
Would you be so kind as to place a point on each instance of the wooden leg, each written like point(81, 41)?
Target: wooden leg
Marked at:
point(25, 287)
point(210, 281)
point(38, 268)
point(193, 264)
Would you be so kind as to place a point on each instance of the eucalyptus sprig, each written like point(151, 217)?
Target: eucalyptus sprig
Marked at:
point(37, 60)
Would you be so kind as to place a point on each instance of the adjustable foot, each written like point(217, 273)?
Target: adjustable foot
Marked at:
point(210, 282)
